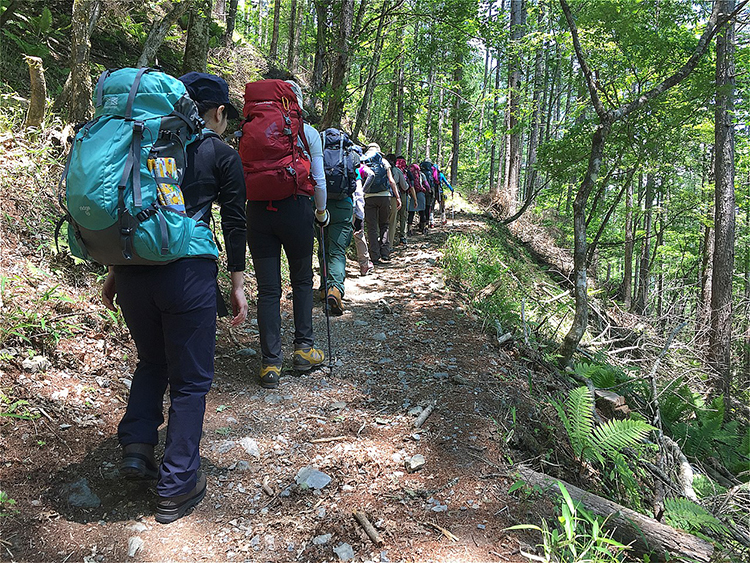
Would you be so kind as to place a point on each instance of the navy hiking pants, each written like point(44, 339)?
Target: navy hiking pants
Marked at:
point(171, 313)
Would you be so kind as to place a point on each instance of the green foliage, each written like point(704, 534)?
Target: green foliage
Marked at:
point(603, 444)
point(15, 408)
point(577, 537)
point(6, 505)
point(693, 518)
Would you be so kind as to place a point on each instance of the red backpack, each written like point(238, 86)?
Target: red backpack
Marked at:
point(276, 166)
point(416, 174)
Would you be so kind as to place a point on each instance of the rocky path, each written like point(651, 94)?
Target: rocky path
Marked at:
point(288, 468)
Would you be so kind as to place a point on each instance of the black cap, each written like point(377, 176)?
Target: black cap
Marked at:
point(209, 88)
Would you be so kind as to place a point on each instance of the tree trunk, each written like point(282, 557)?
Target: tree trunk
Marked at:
point(159, 30)
point(9, 11)
point(720, 348)
point(746, 328)
point(38, 101)
point(581, 317)
point(428, 120)
point(196, 45)
point(411, 139)
point(319, 63)
point(509, 198)
point(75, 98)
point(273, 52)
point(292, 44)
point(495, 185)
point(364, 108)
point(627, 277)
point(641, 302)
point(335, 108)
point(231, 22)
point(536, 119)
point(458, 75)
point(400, 104)
point(645, 535)
point(439, 136)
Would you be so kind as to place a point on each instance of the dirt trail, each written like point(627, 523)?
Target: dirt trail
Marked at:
point(404, 342)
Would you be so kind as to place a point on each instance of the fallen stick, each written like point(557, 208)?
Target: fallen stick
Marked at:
point(442, 530)
point(644, 535)
point(328, 439)
point(423, 415)
point(369, 529)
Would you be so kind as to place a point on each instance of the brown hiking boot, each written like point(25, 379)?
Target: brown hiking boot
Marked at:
point(334, 302)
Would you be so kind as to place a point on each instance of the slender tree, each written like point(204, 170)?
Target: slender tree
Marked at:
point(720, 349)
point(196, 45)
point(273, 52)
point(159, 30)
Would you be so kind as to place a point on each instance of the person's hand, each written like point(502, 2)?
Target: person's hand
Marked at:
point(398, 203)
point(237, 298)
point(323, 217)
point(109, 291)
point(239, 305)
point(357, 224)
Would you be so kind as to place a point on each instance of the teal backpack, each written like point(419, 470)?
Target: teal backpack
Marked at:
point(122, 198)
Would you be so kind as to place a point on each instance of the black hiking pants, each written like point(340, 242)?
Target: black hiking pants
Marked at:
point(288, 223)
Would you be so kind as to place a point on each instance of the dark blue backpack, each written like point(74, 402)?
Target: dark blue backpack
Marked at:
point(340, 163)
point(380, 180)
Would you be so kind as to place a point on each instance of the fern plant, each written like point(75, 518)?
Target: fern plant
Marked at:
point(693, 518)
point(603, 444)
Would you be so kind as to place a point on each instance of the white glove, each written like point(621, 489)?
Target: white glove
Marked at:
point(323, 217)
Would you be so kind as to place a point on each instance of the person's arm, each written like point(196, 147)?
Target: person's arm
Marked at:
point(444, 180)
point(394, 188)
point(359, 200)
point(317, 168)
point(231, 199)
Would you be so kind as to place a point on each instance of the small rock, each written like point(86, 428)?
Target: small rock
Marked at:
point(441, 375)
point(359, 322)
point(440, 508)
point(36, 364)
point(385, 307)
point(481, 526)
point(226, 446)
point(415, 411)
point(250, 446)
point(312, 478)
point(385, 361)
point(241, 465)
point(137, 527)
point(322, 539)
point(337, 406)
point(134, 546)
point(79, 494)
point(379, 336)
point(384, 557)
point(344, 551)
point(415, 463)
point(273, 399)
point(459, 380)
point(248, 352)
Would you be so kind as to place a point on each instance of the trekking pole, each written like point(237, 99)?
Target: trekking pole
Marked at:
point(324, 264)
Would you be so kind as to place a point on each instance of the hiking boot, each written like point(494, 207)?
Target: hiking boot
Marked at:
point(334, 302)
point(307, 358)
point(385, 258)
point(403, 241)
point(169, 509)
point(366, 269)
point(138, 462)
point(269, 376)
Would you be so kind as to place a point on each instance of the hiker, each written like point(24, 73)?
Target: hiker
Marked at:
point(444, 182)
point(403, 189)
point(409, 195)
point(417, 204)
point(280, 215)
point(171, 310)
point(378, 204)
point(431, 194)
point(340, 165)
point(364, 175)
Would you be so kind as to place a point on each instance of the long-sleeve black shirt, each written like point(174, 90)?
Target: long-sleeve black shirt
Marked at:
point(214, 173)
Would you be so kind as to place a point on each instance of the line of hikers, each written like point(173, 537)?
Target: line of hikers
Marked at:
point(372, 194)
point(140, 181)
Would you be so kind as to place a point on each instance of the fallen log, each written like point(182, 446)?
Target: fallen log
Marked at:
point(644, 535)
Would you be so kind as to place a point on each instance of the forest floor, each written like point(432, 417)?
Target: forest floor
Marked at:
point(406, 341)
